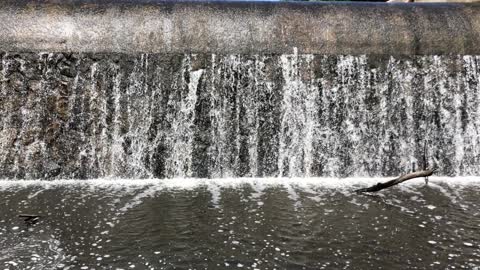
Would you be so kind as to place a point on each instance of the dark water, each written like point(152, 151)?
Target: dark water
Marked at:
point(240, 223)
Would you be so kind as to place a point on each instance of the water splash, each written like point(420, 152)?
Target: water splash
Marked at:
point(198, 115)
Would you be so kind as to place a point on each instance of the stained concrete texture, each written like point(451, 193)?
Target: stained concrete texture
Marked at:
point(239, 27)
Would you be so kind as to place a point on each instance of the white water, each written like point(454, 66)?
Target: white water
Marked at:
point(259, 184)
point(220, 116)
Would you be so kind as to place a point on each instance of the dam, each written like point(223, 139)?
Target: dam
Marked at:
point(148, 134)
point(237, 89)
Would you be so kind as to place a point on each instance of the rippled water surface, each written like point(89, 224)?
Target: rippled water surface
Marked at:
point(240, 223)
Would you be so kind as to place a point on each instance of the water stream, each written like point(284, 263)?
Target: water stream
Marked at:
point(212, 116)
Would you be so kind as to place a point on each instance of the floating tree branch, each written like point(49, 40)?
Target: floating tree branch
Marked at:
point(396, 181)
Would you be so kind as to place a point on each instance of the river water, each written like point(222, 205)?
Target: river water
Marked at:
point(269, 223)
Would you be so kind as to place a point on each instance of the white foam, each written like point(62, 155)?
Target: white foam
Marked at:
point(259, 183)
point(138, 199)
point(293, 195)
point(216, 193)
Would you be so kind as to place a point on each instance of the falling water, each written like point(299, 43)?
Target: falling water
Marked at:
point(204, 115)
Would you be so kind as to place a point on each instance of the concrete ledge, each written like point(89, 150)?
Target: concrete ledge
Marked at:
point(239, 27)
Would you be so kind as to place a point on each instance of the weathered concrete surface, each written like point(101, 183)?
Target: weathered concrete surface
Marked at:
point(239, 27)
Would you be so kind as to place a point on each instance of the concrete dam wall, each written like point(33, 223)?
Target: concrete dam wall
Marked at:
point(138, 89)
point(222, 27)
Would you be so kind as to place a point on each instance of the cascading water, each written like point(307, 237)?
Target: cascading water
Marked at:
point(249, 112)
point(206, 115)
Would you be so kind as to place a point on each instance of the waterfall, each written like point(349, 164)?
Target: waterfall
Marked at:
point(91, 115)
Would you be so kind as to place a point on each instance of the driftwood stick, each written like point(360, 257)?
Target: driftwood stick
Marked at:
point(396, 181)
point(28, 216)
point(29, 219)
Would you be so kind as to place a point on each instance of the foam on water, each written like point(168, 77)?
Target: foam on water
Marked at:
point(178, 221)
point(316, 187)
point(191, 183)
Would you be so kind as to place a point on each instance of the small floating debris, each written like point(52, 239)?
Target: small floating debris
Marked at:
point(29, 219)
